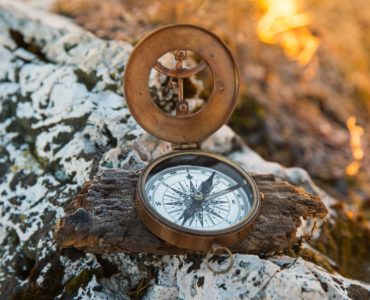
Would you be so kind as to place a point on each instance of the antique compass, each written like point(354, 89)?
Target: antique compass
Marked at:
point(190, 198)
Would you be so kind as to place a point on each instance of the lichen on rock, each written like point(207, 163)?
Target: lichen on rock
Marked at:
point(62, 119)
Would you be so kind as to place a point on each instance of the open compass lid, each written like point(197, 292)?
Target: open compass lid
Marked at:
point(183, 127)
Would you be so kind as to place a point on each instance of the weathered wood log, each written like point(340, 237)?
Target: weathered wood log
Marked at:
point(103, 218)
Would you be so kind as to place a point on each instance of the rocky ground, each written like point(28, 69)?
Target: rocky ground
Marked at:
point(62, 119)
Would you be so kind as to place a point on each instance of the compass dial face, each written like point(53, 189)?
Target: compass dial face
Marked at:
point(200, 196)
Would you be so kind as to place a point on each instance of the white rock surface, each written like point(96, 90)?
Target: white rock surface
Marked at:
point(62, 118)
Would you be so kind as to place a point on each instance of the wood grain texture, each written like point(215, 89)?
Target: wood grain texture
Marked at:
point(103, 218)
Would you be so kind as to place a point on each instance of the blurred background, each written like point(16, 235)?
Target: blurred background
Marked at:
point(305, 77)
point(305, 88)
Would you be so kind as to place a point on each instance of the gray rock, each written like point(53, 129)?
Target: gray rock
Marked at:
point(62, 118)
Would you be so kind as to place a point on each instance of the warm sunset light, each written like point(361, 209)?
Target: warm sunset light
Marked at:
point(356, 132)
point(284, 24)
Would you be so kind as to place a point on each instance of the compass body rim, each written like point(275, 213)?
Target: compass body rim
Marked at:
point(187, 238)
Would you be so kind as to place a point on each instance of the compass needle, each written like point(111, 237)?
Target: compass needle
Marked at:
point(225, 191)
point(207, 185)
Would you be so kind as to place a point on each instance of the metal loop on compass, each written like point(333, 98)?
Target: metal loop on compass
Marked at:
point(219, 250)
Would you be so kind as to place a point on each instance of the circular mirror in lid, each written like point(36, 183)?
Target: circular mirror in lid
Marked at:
point(178, 53)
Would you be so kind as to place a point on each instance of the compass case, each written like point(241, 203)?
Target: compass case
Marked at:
point(185, 130)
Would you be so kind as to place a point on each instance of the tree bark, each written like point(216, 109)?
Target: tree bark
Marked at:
point(103, 218)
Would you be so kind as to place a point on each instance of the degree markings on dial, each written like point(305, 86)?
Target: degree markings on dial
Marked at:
point(175, 211)
point(219, 207)
point(216, 202)
point(210, 218)
point(192, 188)
point(191, 220)
point(205, 221)
point(174, 203)
point(213, 212)
point(182, 187)
point(175, 190)
point(171, 196)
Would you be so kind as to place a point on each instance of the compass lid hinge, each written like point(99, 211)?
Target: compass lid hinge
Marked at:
point(185, 146)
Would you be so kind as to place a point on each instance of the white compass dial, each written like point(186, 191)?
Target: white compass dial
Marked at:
point(198, 197)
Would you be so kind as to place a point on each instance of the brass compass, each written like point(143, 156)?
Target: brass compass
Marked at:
point(190, 198)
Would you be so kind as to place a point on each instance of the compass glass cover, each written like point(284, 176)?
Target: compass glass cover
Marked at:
point(199, 192)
